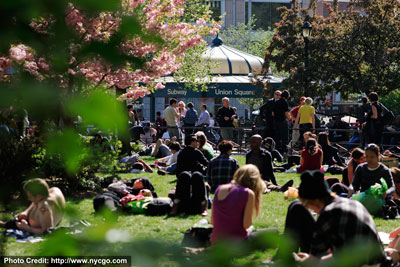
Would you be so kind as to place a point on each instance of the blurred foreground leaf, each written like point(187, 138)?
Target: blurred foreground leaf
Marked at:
point(100, 109)
point(69, 146)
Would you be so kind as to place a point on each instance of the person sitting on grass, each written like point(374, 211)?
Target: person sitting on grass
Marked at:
point(236, 204)
point(149, 134)
point(370, 172)
point(204, 147)
point(394, 246)
point(168, 163)
point(269, 145)
point(357, 158)
point(46, 209)
point(331, 156)
point(342, 222)
point(396, 180)
point(191, 192)
point(342, 188)
point(262, 159)
point(311, 157)
point(221, 169)
point(161, 149)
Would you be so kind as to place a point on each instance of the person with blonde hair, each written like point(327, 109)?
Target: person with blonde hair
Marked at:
point(305, 119)
point(236, 204)
point(45, 211)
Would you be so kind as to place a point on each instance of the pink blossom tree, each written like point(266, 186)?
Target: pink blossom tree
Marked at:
point(130, 44)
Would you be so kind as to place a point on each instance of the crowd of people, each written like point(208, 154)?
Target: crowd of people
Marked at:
point(179, 120)
point(237, 190)
point(373, 119)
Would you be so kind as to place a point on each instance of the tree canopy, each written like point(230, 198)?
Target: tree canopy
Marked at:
point(350, 51)
point(122, 43)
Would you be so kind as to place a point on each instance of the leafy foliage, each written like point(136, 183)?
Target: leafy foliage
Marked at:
point(77, 166)
point(244, 37)
point(392, 101)
point(350, 51)
point(16, 163)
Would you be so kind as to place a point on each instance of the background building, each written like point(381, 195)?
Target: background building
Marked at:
point(231, 80)
point(265, 11)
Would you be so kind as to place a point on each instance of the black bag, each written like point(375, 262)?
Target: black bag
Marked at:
point(159, 206)
point(387, 115)
point(197, 237)
point(109, 200)
point(335, 169)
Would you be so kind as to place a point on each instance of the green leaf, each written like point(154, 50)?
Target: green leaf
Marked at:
point(68, 145)
point(130, 26)
point(96, 5)
point(101, 110)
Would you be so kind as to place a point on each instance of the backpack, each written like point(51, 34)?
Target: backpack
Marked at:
point(335, 169)
point(159, 206)
point(386, 115)
point(197, 236)
point(109, 200)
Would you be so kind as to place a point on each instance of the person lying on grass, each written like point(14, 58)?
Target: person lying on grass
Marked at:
point(46, 209)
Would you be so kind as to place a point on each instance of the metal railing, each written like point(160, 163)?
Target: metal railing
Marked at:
point(242, 134)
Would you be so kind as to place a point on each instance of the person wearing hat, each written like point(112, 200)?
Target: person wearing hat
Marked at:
point(341, 222)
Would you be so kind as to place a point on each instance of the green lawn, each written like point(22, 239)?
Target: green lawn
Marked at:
point(140, 227)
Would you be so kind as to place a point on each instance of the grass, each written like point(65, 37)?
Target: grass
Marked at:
point(140, 227)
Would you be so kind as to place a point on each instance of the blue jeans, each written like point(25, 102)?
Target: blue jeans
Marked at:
point(172, 168)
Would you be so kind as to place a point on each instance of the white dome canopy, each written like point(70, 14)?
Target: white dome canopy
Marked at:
point(232, 61)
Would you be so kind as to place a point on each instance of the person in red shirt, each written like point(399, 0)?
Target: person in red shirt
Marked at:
point(293, 112)
point(311, 157)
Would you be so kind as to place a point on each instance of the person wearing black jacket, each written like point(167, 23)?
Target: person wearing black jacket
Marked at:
point(266, 114)
point(261, 158)
point(225, 117)
point(331, 156)
point(362, 112)
point(191, 193)
point(190, 158)
point(281, 117)
point(269, 144)
point(373, 124)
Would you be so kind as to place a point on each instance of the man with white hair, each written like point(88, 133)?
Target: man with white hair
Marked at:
point(225, 117)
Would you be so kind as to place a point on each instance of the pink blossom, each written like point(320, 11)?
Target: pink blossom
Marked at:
point(42, 64)
point(31, 67)
point(201, 22)
point(18, 53)
point(160, 86)
point(5, 63)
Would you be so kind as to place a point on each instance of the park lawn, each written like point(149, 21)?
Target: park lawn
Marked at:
point(140, 227)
